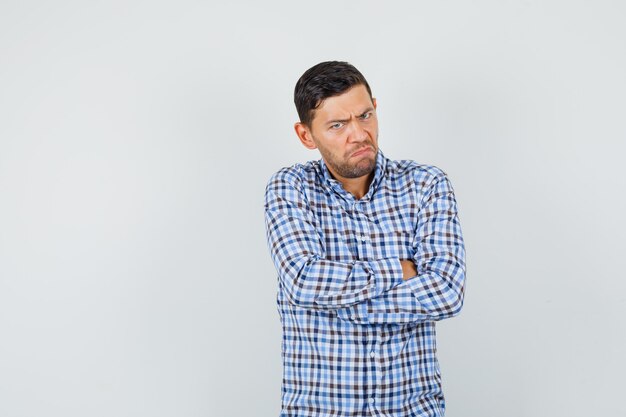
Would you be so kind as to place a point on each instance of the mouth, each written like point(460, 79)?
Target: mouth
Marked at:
point(363, 151)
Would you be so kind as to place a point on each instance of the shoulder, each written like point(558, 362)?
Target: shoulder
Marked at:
point(297, 174)
point(408, 170)
point(296, 178)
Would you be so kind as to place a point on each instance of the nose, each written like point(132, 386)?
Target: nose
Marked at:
point(358, 134)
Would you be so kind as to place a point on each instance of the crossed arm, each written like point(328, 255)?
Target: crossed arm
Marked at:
point(428, 287)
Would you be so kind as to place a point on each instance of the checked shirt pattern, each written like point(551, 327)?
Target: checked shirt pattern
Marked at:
point(358, 340)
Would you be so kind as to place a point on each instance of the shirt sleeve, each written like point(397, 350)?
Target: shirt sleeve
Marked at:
point(437, 291)
point(308, 279)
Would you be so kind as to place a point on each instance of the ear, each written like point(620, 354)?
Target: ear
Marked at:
point(374, 102)
point(305, 136)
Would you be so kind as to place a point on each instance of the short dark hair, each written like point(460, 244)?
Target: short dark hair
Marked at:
point(326, 79)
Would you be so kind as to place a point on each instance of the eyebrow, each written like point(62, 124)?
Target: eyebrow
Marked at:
point(330, 122)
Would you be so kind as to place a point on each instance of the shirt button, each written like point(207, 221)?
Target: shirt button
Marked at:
point(372, 354)
point(371, 401)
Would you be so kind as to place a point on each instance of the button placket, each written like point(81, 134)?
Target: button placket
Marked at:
point(363, 236)
point(364, 247)
point(366, 241)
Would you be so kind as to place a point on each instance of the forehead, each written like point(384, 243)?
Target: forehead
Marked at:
point(353, 101)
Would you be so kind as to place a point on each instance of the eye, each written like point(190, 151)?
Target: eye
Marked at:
point(336, 125)
point(366, 116)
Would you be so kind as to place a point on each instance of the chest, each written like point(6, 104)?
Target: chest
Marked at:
point(367, 230)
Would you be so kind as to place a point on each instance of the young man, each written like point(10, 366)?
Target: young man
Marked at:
point(369, 255)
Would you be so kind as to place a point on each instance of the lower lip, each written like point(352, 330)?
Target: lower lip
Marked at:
point(363, 151)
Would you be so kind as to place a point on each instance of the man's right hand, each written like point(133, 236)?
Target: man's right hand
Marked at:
point(409, 270)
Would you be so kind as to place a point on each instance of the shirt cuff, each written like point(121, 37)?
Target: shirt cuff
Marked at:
point(387, 274)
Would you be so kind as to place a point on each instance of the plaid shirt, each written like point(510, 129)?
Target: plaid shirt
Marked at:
point(358, 340)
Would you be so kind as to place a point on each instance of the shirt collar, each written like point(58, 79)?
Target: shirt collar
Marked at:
point(381, 163)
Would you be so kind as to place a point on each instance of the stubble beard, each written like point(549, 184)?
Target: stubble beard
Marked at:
point(356, 170)
point(363, 167)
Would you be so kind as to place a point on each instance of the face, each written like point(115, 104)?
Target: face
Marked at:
point(345, 130)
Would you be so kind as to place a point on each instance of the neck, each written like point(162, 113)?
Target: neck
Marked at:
point(356, 186)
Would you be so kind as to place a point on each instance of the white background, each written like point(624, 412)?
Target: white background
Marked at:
point(136, 139)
